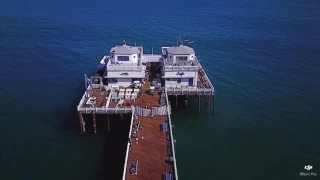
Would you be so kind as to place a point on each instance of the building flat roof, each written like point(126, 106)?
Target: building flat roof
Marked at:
point(180, 50)
point(124, 49)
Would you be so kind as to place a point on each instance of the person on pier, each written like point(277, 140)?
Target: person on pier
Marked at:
point(151, 113)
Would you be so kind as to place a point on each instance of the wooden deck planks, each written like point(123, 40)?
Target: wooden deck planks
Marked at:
point(148, 100)
point(151, 152)
point(202, 80)
point(101, 96)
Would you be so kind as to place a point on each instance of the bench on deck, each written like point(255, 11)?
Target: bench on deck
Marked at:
point(168, 176)
point(91, 101)
point(163, 101)
point(136, 127)
point(134, 168)
point(165, 127)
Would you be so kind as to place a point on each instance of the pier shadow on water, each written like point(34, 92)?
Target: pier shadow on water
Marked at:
point(115, 144)
point(180, 101)
point(68, 118)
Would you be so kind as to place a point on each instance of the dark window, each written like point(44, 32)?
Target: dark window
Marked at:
point(172, 79)
point(112, 80)
point(179, 81)
point(182, 58)
point(135, 79)
point(123, 58)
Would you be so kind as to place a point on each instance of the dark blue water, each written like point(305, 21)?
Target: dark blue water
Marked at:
point(263, 57)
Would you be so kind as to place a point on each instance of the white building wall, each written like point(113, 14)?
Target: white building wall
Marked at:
point(170, 59)
point(170, 83)
point(174, 82)
point(184, 81)
point(131, 74)
point(125, 82)
point(187, 74)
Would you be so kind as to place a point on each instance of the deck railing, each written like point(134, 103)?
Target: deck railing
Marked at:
point(151, 58)
point(109, 99)
point(206, 76)
point(84, 97)
point(180, 68)
point(171, 139)
point(128, 146)
point(158, 111)
point(176, 90)
point(124, 68)
point(102, 110)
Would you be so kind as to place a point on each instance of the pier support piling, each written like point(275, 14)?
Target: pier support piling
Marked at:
point(195, 99)
point(80, 122)
point(94, 123)
point(207, 103)
point(108, 124)
point(199, 102)
point(176, 101)
point(213, 105)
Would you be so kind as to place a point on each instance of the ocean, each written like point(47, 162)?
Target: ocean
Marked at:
point(262, 56)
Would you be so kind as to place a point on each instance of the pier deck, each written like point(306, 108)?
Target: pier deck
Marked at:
point(151, 151)
point(151, 143)
point(101, 96)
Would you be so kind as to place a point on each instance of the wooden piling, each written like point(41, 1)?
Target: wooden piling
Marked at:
point(83, 125)
point(207, 103)
point(108, 124)
point(213, 105)
point(176, 101)
point(80, 122)
point(94, 123)
point(195, 99)
point(199, 102)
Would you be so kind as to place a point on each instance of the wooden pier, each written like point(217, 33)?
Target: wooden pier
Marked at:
point(150, 150)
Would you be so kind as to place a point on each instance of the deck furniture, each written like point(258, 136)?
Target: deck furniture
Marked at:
point(168, 176)
point(134, 168)
point(121, 95)
point(91, 101)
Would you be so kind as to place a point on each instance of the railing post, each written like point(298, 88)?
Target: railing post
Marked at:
point(94, 123)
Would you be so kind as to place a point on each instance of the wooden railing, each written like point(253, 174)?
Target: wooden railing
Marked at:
point(151, 58)
point(128, 146)
point(180, 68)
point(175, 171)
point(124, 68)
